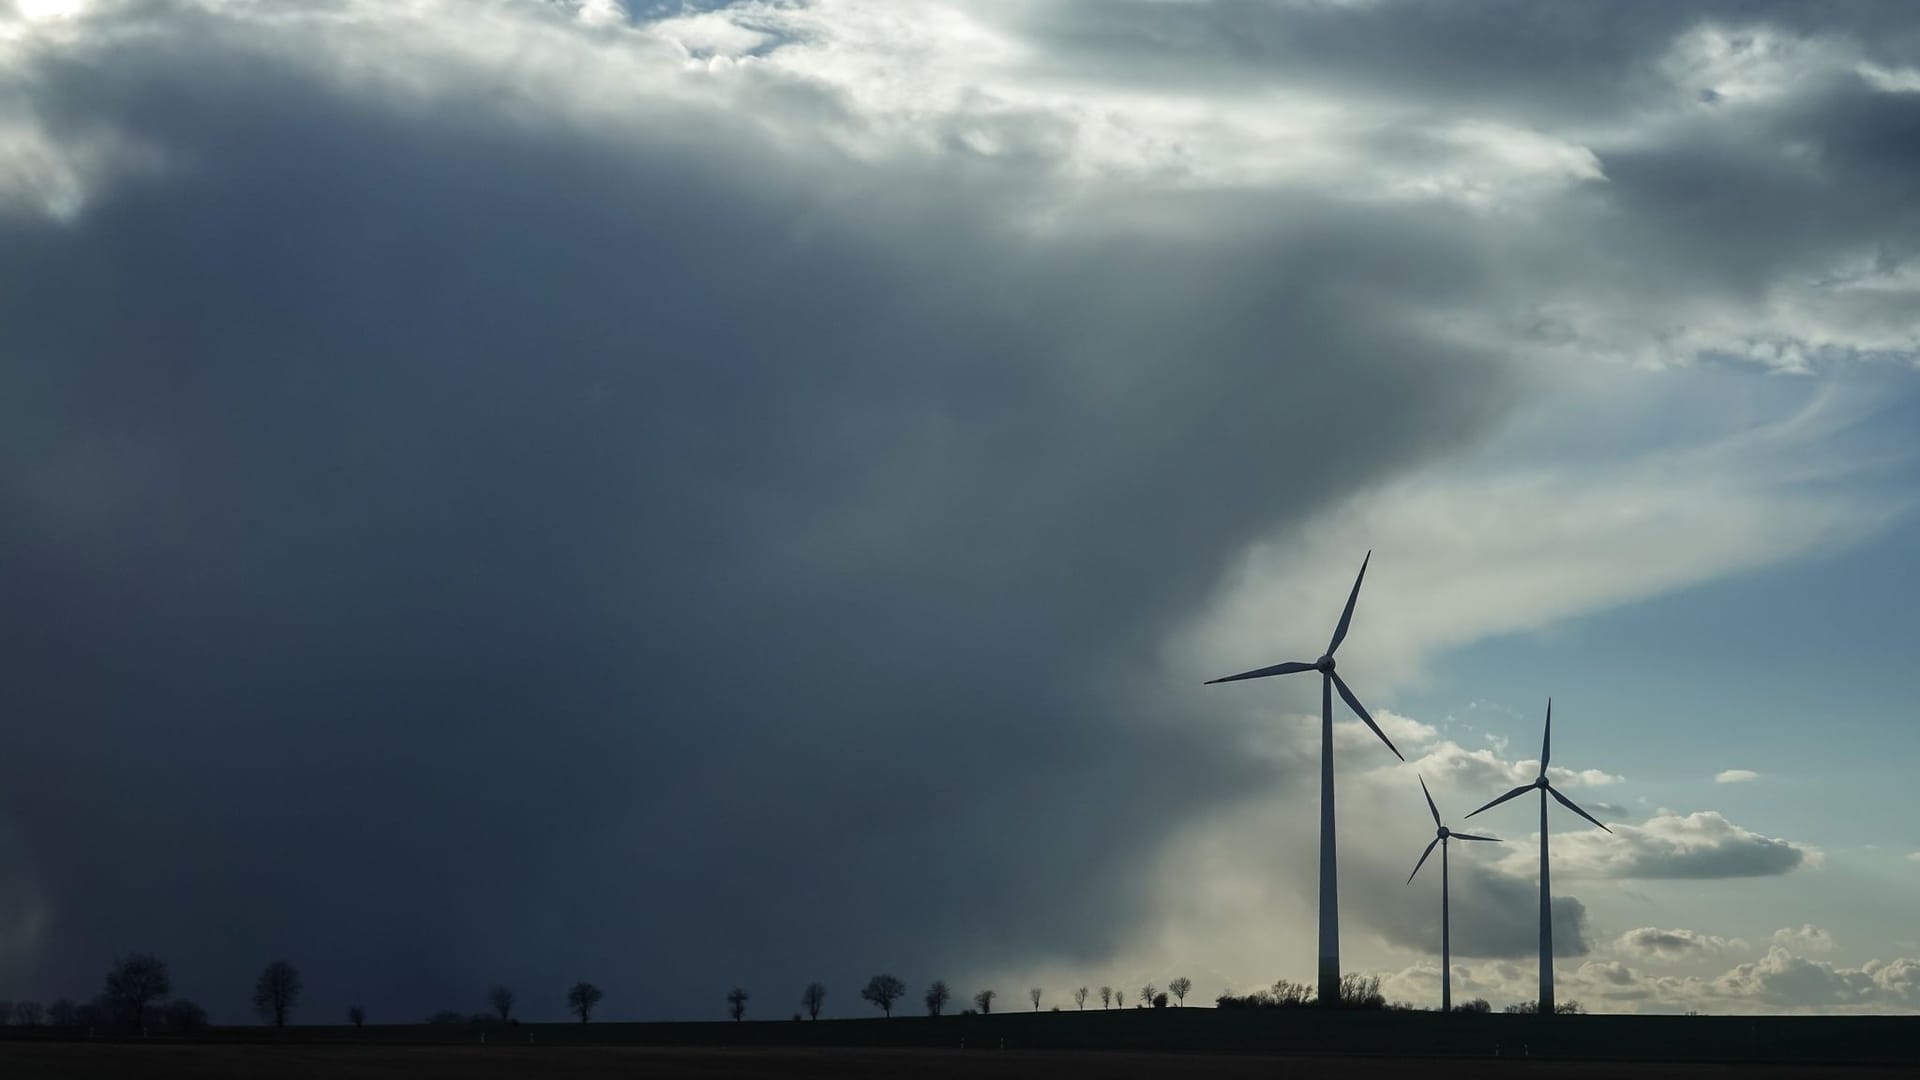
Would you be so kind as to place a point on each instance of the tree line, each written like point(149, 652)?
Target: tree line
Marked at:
point(138, 997)
point(883, 991)
point(1362, 992)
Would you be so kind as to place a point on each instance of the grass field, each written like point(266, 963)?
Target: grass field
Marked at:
point(149, 1061)
point(1104, 1043)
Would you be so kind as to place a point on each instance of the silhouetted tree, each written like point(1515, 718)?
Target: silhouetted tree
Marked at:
point(884, 990)
point(63, 1013)
point(276, 992)
point(1080, 997)
point(984, 999)
point(28, 1013)
point(1034, 996)
point(134, 983)
point(6, 1013)
point(183, 1017)
point(1361, 992)
point(814, 996)
point(1569, 1007)
point(581, 1000)
point(449, 1018)
point(1477, 1005)
point(1146, 994)
point(737, 1002)
point(937, 996)
point(357, 1016)
point(1160, 1000)
point(1119, 999)
point(1287, 993)
point(501, 1000)
point(1180, 988)
point(1106, 996)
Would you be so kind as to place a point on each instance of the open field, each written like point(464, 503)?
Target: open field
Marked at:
point(151, 1061)
point(1115, 1043)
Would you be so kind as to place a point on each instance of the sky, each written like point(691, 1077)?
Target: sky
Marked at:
point(697, 495)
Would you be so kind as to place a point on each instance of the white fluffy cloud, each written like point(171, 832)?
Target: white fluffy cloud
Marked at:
point(1703, 844)
point(1805, 938)
point(1735, 776)
point(1780, 981)
point(1650, 941)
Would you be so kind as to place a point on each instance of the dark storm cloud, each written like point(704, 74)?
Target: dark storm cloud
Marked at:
point(459, 526)
point(1495, 915)
point(444, 549)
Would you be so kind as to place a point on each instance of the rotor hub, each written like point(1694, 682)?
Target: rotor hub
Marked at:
point(1541, 782)
point(1325, 663)
point(1445, 832)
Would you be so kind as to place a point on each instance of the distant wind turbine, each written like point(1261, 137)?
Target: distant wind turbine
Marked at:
point(1546, 906)
point(1329, 872)
point(1446, 938)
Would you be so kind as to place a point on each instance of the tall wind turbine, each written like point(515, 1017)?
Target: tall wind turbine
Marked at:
point(1546, 907)
point(1329, 873)
point(1446, 931)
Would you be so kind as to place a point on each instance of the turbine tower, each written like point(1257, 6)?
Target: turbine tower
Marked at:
point(1546, 908)
point(1441, 836)
point(1329, 874)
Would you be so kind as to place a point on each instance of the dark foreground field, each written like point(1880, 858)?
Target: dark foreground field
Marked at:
point(33, 1061)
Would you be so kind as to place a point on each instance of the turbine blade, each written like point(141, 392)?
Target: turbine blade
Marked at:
point(1431, 809)
point(1470, 836)
point(1514, 794)
point(1287, 668)
point(1340, 632)
point(1568, 803)
point(1423, 859)
point(1341, 685)
point(1546, 741)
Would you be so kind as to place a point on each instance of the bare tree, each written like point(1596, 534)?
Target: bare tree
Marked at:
point(937, 997)
point(1119, 999)
point(357, 1016)
point(1033, 995)
point(581, 1000)
point(1080, 997)
point(1361, 992)
point(984, 999)
point(501, 1000)
point(1160, 1000)
point(884, 990)
point(1146, 994)
point(1106, 996)
point(737, 1002)
point(276, 992)
point(134, 983)
point(814, 996)
point(28, 1014)
point(1180, 988)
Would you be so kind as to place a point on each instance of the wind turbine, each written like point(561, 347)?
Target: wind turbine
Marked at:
point(1546, 908)
point(1441, 836)
point(1329, 872)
